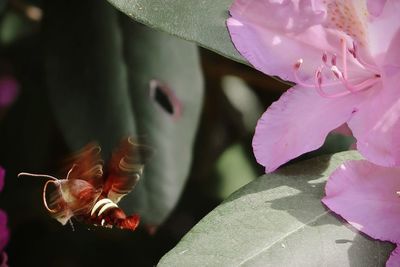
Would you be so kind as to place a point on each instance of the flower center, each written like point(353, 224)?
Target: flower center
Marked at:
point(339, 76)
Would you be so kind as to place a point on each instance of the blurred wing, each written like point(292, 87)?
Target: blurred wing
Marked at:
point(126, 168)
point(87, 165)
point(70, 198)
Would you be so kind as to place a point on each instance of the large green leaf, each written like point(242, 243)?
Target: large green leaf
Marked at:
point(86, 75)
point(201, 21)
point(174, 65)
point(99, 67)
point(278, 220)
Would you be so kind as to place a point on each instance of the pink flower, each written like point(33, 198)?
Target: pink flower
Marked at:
point(2, 175)
point(4, 236)
point(367, 196)
point(8, 90)
point(4, 233)
point(344, 57)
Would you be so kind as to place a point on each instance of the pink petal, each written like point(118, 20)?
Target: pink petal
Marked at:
point(2, 175)
point(4, 234)
point(394, 259)
point(298, 123)
point(3, 259)
point(376, 125)
point(391, 64)
point(8, 90)
point(375, 7)
point(383, 28)
point(365, 195)
point(274, 35)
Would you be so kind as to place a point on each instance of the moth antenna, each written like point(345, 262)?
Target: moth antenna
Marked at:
point(44, 196)
point(70, 170)
point(37, 175)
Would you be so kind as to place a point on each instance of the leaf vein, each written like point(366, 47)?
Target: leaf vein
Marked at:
point(283, 237)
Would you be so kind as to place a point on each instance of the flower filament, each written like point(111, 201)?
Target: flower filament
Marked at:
point(340, 75)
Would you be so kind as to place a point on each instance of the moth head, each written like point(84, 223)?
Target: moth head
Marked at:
point(69, 198)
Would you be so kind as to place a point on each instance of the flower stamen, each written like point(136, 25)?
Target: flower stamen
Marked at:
point(325, 58)
point(344, 57)
point(340, 76)
point(366, 65)
point(318, 86)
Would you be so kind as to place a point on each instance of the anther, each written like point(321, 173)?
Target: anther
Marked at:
point(333, 60)
point(338, 74)
point(298, 64)
point(354, 49)
point(324, 57)
point(318, 76)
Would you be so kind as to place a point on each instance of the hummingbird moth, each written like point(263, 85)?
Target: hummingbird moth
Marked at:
point(90, 194)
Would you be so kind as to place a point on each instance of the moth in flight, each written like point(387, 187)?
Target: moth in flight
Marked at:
point(91, 194)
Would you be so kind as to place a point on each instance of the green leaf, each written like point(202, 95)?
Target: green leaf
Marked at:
point(234, 169)
point(99, 67)
point(86, 76)
point(278, 220)
point(202, 22)
point(173, 64)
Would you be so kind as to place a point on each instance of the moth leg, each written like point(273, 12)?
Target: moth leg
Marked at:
point(72, 225)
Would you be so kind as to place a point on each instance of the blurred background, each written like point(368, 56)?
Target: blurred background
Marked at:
point(72, 72)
